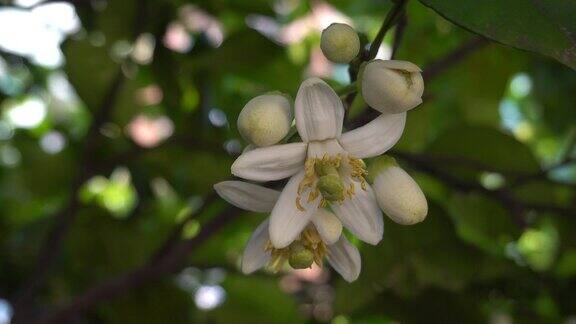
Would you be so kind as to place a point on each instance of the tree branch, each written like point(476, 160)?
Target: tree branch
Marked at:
point(431, 71)
point(516, 206)
point(167, 264)
point(391, 18)
point(399, 34)
point(454, 57)
point(52, 244)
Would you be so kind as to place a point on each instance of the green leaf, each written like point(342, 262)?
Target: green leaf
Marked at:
point(252, 299)
point(473, 146)
point(482, 222)
point(545, 27)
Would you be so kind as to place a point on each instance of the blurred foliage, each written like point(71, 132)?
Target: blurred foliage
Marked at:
point(497, 116)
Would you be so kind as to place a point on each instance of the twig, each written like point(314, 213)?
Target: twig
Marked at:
point(397, 10)
point(459, 54)
point(52, 244)
point(399, 34)
point(431, 71)
point(516, 206)
point(542, 174)
point(170, 263)
point(391, 18)
point(174, 237)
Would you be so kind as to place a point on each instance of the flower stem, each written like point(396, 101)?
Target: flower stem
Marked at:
point(391, 18)
point(347, 89)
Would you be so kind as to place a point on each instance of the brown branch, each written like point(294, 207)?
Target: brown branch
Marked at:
point(52, 244)
point(543, 174)
point(454, 57)
point(399, 34)
point(430, 72)
point(169, 263)
point(391, 18)
point(516, 206)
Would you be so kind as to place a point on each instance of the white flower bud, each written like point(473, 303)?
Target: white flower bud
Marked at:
point(392, 86)
point(398, 195)
point(340, 43)
point(265, 120)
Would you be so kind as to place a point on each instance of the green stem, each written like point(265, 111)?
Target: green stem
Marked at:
point(391, 18)
point(350, 88)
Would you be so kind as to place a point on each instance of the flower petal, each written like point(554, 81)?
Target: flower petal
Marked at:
point(286, 220)
point(255, 255)
point(270, 163)
point(247, 196)
point(376, 137)
point(345, 259)
point(361, 215)
point(321, 149)
point(319, 111)
point(328, 225)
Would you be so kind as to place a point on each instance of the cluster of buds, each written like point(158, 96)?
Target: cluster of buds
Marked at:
point(329, 187)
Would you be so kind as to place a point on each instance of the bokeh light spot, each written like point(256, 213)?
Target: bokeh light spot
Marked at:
point(209, 297)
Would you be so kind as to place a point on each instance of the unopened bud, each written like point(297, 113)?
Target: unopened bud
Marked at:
point(300, 256)
point(392, 86)
point(265, 120)
point(331, 187)
point(398, 195)
point(340, 43)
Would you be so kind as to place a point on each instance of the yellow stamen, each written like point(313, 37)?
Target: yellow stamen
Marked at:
point(359, 172)
point(309, 239)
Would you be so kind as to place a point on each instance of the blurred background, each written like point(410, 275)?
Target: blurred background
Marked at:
point(118, 116)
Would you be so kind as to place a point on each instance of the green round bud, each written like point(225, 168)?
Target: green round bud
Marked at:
point(340, 43)
point(265, 120)
point(300, 256)
point(331, 187)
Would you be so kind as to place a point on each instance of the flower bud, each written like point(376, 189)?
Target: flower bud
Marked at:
point(398, 195)
point(340, 43)
point(392, 86)
point(265, 120)
point(300, 256)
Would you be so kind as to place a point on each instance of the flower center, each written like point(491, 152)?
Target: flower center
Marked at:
point(324, 177)
point(300, 254)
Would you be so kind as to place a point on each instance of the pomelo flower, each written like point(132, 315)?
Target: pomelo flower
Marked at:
point(325, 169)
point(320, 239)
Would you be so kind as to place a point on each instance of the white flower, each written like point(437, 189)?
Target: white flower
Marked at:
point(265, 120)
point(392, 86)
point(322, 237)
point(397, 193)
point(325, 168)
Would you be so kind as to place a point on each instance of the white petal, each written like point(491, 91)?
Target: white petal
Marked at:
point(401, 65)
point(247, 195)
point(345, 259)
point(319, 111)
point(400, 197)
point(328, 225)
point(392, 86)
point(270, 163)
point(376, 137)
point(361, 215)
point(286, 220)
point(255, 255)
point(329, 148)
